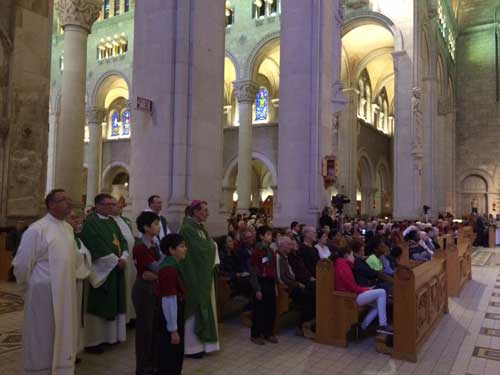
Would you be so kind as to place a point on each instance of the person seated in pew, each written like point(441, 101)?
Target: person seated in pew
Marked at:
point(374, 297)
point(301, 294)
point(299, 268)
point(416, 251)
point(307, 250)
point(322, 248)
point(391, 260)
point(230, 267)
point(365, 275)
point(379, 249)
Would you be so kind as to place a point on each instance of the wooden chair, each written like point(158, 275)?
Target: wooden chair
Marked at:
point(492, 236)
point(336, 312)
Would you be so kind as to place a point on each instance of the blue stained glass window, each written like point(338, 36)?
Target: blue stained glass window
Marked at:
point(115, 124)
point(126, 123)
point(107, 8)
point(261, 105)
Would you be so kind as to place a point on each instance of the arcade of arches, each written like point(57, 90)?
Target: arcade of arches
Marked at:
point(394, 105)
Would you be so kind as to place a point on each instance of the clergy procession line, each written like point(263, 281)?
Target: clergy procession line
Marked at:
point(87, 278)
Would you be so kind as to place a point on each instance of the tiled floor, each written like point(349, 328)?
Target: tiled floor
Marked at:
point(466, 341)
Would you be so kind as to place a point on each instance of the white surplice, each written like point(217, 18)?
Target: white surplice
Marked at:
point(46, 264)
point(192, 344)
point(130, 270)
point(82, 273)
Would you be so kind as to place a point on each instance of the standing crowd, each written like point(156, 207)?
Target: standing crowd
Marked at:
point(87, 278)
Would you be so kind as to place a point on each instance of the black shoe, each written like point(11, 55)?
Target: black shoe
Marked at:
point(98, 349)
point(386, 330)
point(199, 355)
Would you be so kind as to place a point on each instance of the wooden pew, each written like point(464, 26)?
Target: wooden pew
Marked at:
point(405, 256)
point(5, 258)
point(336, 312)
point(420, 300)
point(492, 236)
point(222, 294)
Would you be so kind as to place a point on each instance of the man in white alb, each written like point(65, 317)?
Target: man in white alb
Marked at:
point(46, 264)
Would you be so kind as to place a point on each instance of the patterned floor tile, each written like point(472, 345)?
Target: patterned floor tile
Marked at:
point(486, 353)
point(10, 302)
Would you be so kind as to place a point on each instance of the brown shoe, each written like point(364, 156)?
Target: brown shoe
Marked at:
point(272, 339)
point(258, 340)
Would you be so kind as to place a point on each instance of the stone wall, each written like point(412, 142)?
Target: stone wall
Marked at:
point(25, 69)
point(478, 110)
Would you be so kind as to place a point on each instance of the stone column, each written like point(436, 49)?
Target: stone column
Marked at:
point(348, 150)
point(178, 150)
point(95, 117)
point(305, 107)
point(245, 93)
point(52, 147)
point(77, 17)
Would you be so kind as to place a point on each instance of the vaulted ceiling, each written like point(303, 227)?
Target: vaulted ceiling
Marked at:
point(474, 12)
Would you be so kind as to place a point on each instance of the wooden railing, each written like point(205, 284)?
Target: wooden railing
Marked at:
point(5, 258)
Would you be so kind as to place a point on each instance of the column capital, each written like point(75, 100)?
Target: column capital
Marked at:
point(128, 104)
point(95, 115)
point(245, 90)
point(81, 13)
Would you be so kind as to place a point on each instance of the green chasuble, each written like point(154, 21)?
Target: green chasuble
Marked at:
point(103, 237)
point(197, 272)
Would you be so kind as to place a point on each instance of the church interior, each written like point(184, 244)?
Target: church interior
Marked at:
point(271, 109)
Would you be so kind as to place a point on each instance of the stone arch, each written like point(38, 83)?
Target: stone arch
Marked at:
point(96, 98)
point(110, 172)
point(234, 60)
point(231, 168)
point(474, 188)
point(252, 63)
point(358, 18)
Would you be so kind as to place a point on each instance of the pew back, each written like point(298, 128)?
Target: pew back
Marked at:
point(420, 300)
point(5, 258)
point(336, 312)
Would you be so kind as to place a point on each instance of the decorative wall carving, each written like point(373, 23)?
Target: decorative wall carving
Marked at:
point(78, 12)
point(245, 91)
point(418, 142)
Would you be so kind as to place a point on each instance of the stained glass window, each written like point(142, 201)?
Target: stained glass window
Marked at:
point(117, 8)
point(126, 124)
point(115, 124)
point(262, 105)
point(107, 8)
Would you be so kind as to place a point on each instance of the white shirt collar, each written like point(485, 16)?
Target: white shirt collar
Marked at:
point(102, 217)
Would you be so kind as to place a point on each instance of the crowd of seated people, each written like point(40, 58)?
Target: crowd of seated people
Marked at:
point(365, 254)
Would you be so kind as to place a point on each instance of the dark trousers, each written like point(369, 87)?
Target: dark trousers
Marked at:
point(264, 311)
point(146, 326)
point(171, 356)
point(306, 298)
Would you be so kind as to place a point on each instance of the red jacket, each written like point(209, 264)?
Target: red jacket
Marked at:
point(344, 277)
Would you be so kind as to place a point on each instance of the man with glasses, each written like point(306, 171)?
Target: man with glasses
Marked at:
point(106, 307)
point(46, 263)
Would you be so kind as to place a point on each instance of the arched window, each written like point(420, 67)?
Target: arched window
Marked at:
point(116, 11)
point(381, 121)
point(365, 97)
point(115, 125)
point(107, 8)
point(126, 123)
point(262, 105)
point(126, 5)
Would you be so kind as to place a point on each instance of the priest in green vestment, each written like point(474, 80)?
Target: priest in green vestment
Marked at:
point(197, 272)
point(106, 305)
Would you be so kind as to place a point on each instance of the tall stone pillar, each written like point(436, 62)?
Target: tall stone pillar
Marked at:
point(245, 94)
point(177, 154)
point(76, 17)
point(348, 150)
point(95, 117)
point(305, 107)
point(408, 141)
point(52, 146)
point(25, 45)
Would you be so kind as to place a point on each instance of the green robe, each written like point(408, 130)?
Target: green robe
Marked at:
point(197, 272)
point(103, 237)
